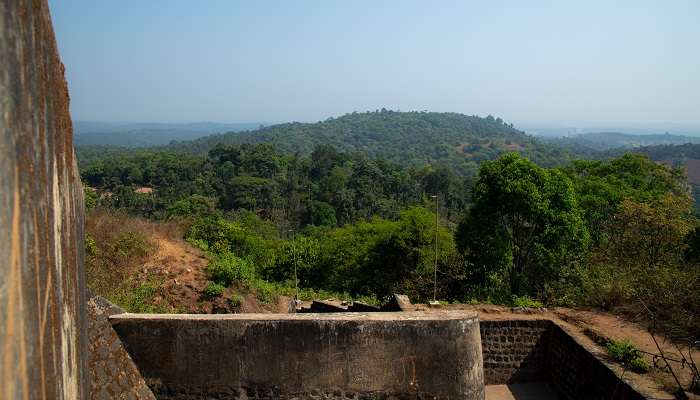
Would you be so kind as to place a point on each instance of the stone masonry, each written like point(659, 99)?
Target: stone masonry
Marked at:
point(113, 374)
point(307, 356)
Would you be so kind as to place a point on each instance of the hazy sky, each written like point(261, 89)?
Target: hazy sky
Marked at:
point(259, 61)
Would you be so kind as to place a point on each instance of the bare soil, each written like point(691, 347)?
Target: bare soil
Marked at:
point(182, 269)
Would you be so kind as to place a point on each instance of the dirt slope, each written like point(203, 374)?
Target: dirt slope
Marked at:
point(183, 271)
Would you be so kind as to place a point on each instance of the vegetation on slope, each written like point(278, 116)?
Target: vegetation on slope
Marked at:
point(602, 141)
point(613, 234)
point(406, 138)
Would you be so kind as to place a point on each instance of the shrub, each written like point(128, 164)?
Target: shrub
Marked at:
point(639, 365)
point(139, 298)
point(225, 269)
point(214, 289)
point(627, 354)
point(90, 246)
point(220, 236)
point(235, 301)
point(266, 292)
point(131, 244)
point(194, 206)
point(526, 302)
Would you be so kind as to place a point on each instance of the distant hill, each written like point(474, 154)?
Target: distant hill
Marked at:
point(409, 138)
point(610, 140)
point(91, 133)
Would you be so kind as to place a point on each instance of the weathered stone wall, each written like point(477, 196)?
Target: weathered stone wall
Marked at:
point(532, 350)
point(514, 351)
point(113, 374)
point(576, 373)
point(42, 299)
point(307, 356)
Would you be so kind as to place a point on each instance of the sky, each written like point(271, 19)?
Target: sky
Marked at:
point(276, 61)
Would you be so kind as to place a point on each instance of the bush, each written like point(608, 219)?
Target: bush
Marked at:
point(131, 244)
point(639, 365)
point(220, 236)
point(526, 302)
point(139, 298)
point(225, 269)
point(627, 354)
point(90, 246)
point(266, 292)
point(235, 301)
point(214, 289)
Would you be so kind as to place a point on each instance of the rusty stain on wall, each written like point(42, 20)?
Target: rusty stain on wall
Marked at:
point(42, 288)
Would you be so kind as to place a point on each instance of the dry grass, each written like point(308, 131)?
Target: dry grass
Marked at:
point(117, 247)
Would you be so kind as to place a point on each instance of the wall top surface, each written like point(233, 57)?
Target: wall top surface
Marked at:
point(359, 317)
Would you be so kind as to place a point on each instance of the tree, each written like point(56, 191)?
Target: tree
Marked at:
point(193, 206)
point(649, 234)
point(322, 214)
point(524, 225)
point(601, 186)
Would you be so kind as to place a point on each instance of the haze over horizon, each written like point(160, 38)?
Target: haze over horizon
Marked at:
point(267, 62)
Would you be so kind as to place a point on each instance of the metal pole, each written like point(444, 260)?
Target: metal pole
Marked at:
point(436, 249)
point(294, 260)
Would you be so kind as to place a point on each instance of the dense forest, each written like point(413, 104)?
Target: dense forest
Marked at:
point(92, 133)
point(612, 233)
point(410, 139)
point(602, 141)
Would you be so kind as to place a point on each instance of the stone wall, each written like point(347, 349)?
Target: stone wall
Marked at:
point(113, 374)
point(307, 356)
point(42, 299)
point(539, 350)
point(576, 373)
point(514, 351)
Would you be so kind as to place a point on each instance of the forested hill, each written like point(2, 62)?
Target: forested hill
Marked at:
point(614, 140)
point(408, 138)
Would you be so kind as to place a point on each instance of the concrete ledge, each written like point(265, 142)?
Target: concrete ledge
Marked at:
point(333, 356)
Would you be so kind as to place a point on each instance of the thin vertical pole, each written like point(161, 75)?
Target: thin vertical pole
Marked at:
point(436, 249)
point(294, 260)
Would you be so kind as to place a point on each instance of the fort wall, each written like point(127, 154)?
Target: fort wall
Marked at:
point(307, 356)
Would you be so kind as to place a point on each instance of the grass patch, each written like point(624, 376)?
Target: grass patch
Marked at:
point(140, 297)
point(214, 289)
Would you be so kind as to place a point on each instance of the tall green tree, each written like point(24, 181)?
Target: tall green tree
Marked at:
point(523, 227)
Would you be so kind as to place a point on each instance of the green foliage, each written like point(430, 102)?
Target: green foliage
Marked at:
point(193, 206)
point(356, 190)
point(221, 236)
point(91, 249)
point(524, 225)
point(322, 214)
point(236, 300)
point(138, 297)
point(91, 198)
point(380, 257)
point(214, 289)
point(627, 354)
point(266, 292)
point(408, 138)
point(639, 365)
point(304, 252)
point(526, 302)
point(227, 269)
point(601, 186)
